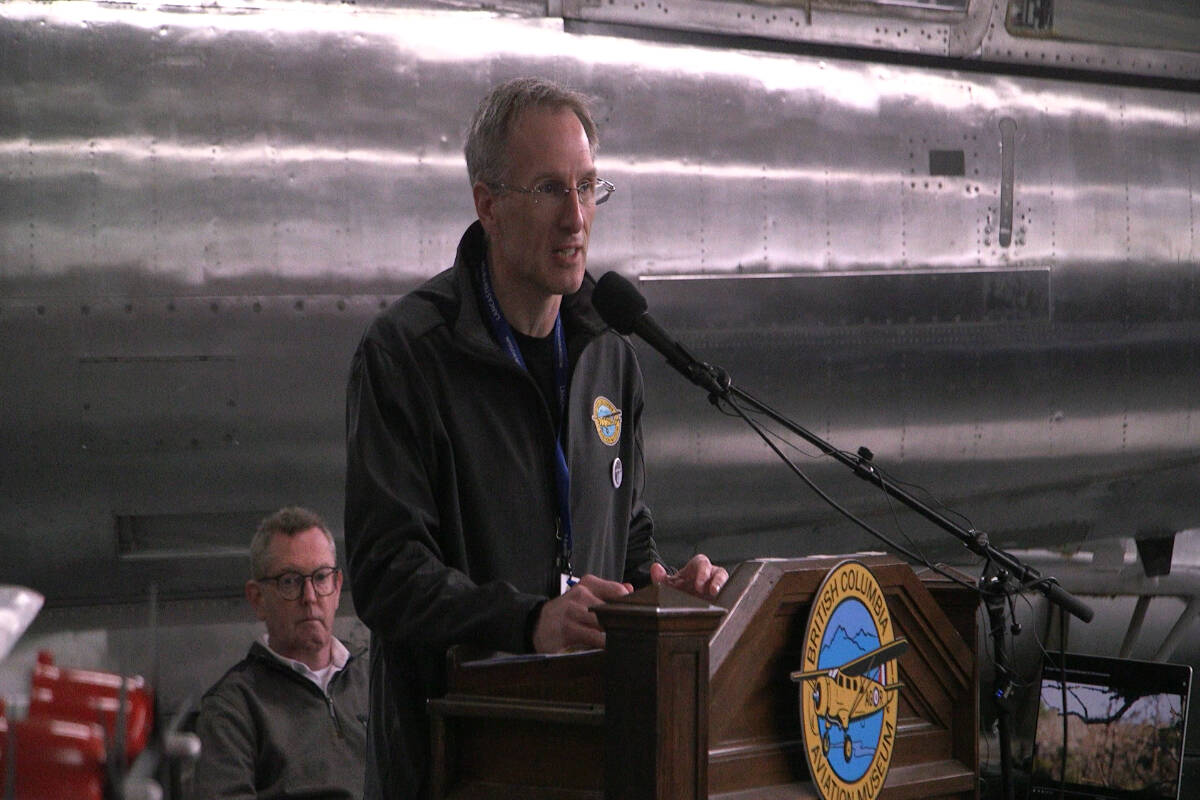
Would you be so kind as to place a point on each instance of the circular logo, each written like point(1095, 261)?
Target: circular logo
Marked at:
point(849, 685)
point(607, 419)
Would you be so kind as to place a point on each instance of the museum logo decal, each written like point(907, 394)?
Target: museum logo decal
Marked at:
point(849, 685)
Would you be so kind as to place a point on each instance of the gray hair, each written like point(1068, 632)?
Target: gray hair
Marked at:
point(284, 522)
point(487, 140)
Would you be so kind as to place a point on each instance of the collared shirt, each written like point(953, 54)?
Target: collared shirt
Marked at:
point(321, 677)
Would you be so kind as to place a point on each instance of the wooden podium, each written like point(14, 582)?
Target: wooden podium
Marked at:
point(692, 700)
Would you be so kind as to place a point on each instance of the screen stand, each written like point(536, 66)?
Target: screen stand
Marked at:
point(995, 598)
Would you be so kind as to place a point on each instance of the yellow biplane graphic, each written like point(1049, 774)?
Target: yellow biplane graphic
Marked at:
point(845, 693)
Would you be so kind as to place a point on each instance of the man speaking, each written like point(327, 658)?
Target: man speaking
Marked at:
point(494, 462)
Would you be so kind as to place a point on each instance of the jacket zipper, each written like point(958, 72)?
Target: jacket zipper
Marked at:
point(337, 723)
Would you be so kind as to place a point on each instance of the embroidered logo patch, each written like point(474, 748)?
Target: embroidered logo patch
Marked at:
point(607, 419)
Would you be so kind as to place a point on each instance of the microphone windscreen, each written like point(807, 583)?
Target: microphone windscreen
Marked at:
point(618, 302)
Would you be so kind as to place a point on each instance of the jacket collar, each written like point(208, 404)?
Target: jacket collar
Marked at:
point(579, 318)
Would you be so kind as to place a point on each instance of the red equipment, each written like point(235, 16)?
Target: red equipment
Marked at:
point(62, 746)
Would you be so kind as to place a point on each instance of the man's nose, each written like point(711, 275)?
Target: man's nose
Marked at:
point(308, 589)
point(572, 211)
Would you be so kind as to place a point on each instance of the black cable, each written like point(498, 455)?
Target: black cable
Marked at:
point(834, 504)
point(716, 400)
point(1062, 652)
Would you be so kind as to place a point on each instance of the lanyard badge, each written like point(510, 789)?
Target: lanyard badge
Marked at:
point(562, 476)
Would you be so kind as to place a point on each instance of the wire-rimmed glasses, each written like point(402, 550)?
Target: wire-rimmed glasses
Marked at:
point(591, 192)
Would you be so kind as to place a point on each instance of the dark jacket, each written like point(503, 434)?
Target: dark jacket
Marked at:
point(450, 493)
point(268, 732)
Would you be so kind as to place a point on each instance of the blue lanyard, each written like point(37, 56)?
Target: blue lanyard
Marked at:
point(562, 476)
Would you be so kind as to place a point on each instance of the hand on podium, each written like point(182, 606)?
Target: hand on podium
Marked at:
point(699, 577)
point(566, 623)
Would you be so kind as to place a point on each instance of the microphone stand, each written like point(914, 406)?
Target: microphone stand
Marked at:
point(993, 588)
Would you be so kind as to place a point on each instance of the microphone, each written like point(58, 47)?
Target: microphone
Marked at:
point(621, 305)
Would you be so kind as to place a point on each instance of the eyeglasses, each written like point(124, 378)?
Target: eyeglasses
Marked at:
point(591, 192)
point(290, 585)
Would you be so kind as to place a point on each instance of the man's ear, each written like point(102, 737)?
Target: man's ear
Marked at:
point(485, 202)
point(337, 593)
point(254, 596)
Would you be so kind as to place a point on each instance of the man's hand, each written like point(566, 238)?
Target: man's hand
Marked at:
point(699, 577)
point(566, 622)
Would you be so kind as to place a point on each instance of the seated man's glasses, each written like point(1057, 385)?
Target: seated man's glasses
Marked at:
point(591, 192)
point(290, 585)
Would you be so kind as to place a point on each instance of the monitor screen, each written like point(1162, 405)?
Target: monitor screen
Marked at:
point(1124, 727)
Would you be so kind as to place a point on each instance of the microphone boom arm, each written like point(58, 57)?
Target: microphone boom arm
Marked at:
point(861, 464)
point(622, 306)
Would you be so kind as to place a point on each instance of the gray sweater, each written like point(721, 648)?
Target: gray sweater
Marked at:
point(269, 732)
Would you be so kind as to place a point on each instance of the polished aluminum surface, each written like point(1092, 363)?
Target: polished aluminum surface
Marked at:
point(988, 279)
point(1102, 37)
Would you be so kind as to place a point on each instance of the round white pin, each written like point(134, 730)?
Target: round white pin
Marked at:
point(618, 473)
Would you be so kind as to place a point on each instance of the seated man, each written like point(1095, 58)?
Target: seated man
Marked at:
point(289, 720)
